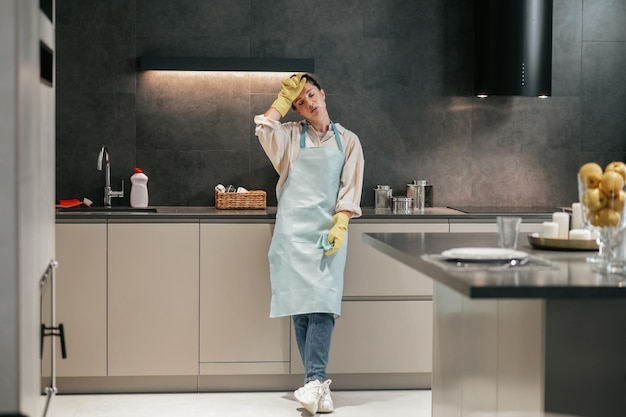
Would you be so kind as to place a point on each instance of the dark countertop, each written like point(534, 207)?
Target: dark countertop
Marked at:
point(572, 279)
point(189, 213)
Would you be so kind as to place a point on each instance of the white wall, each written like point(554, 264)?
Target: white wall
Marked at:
point(27, 203)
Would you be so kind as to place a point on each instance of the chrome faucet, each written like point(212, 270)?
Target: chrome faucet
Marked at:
point(103, 156)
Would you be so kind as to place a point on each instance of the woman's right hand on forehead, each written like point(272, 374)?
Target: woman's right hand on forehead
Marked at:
point(290, 88)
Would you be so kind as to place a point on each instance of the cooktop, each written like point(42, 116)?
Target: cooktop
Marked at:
point(493, 209)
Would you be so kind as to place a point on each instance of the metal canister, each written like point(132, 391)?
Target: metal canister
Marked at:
point(412, 190)
point(382, 197)
point(402, 204)
point(417, 190)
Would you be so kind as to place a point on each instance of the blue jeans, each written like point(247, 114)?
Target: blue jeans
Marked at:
point(313, 333)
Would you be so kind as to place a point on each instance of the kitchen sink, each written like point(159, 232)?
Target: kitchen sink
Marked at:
point(119, 209)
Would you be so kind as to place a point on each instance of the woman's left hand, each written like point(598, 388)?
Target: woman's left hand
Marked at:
point(337, 233)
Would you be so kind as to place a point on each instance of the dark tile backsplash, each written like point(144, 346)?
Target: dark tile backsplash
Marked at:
point(398, 73)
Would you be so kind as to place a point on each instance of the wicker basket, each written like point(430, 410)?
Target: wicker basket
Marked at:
point(253, 199)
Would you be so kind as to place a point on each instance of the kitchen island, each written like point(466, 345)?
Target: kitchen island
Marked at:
point(519, 339)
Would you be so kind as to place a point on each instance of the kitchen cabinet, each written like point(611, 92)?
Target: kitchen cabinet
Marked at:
point(153, 309)
point(237, 336)
point(81, 295)
point(182, 303)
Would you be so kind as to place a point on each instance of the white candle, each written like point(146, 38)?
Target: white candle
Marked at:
point(562, 219)
point(580, 234)
point(550, 230)
point(577, 216)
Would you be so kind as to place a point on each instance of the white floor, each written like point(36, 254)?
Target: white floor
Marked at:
point(265, 404)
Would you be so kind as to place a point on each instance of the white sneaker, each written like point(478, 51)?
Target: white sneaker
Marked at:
point(326, 401)
point(309, 396)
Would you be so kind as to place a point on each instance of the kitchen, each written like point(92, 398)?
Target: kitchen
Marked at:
point(399, 75)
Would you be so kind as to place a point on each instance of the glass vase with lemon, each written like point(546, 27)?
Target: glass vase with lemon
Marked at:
point(602, 196)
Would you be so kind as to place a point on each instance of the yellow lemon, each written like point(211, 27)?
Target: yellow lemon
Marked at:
point(617, 166)
point(606, 217)
point(594, 200)
point(617, 202)
point(590, 174)
point(611, 183)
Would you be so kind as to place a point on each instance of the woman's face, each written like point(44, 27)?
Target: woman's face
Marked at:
point(311, 103)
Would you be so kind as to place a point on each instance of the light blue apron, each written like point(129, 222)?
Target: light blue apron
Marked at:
point(304, 280)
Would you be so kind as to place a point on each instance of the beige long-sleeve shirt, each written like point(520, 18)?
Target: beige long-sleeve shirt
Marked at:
point(281, 143)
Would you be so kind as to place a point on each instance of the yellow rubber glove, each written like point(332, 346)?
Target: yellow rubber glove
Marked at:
point(290, 89)
point(337, 233)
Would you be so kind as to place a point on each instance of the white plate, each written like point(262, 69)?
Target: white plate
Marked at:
point(483, 254)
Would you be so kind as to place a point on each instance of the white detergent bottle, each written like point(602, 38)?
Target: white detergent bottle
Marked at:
point(139, 189)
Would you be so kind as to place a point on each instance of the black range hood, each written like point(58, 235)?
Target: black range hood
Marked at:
point(513, 47)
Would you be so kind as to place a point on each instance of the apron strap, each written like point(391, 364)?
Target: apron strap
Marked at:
point(303, 135)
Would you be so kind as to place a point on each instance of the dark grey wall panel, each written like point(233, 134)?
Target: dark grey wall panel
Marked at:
point(398, 73)
point(566, 47)
point(603, 20)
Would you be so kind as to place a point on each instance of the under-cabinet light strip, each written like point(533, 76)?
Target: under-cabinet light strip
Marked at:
point(225, 64)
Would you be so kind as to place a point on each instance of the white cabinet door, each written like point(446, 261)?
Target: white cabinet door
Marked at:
point(236, 334)
point(379, 337)
point(153, 299)
point(372, 273)
point(80, 282)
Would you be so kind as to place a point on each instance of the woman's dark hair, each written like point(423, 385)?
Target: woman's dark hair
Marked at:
point(311, 80)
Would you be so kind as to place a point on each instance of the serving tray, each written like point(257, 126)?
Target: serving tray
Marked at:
point(539, 242)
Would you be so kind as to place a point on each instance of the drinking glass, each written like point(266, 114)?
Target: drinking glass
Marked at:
point(508, 231)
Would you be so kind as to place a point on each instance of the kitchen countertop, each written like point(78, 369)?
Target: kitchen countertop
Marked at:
point(183, 213)
point(571, 279)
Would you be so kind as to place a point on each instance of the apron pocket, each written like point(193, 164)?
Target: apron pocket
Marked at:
point(309, 224)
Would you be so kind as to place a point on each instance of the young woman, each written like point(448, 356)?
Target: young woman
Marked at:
point(320, 166)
